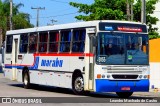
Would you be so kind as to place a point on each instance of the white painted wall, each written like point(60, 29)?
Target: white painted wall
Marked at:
point(155, 74)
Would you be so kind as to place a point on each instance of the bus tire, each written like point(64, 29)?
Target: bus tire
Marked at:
point(26, 80)
point(124, 94)
point(78, 85)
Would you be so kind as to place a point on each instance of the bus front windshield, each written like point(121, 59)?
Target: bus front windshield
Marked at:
point(122, 49)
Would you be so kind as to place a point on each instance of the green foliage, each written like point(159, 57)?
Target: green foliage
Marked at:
point(116, 10)
point(153, 35)
point(150, 7)
point(20, 20)
point(101, 10)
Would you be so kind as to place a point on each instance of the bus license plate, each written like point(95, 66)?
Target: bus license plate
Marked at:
point(125, 88)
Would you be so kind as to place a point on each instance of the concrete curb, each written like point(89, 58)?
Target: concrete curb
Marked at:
point(155, 90)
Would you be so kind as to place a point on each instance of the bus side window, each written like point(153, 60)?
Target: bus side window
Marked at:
point(78, 40)
point(9, 44)
point(53, 41)
point(32, 42)
point(23, 43)
point(82, 40)
point(43, 39)
point(65, 41)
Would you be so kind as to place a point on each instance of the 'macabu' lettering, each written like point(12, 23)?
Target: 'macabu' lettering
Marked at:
point(52, 63)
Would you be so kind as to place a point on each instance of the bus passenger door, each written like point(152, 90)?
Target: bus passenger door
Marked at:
point(14, 57)
point(91, 61)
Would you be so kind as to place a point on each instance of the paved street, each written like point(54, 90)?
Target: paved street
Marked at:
point(10, 88)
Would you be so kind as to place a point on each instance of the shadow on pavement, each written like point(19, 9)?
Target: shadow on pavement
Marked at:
point(69, 91)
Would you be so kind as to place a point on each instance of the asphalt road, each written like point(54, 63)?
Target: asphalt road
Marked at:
point(10, 88)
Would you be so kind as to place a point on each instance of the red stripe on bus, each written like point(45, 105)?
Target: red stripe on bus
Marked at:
point(64, 54)
point(89, 54)
point(53, 54)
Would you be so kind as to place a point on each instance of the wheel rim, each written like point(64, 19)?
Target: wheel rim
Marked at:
point(79, 85)
point(25, 79)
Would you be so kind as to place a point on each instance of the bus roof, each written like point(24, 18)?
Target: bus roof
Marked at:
point(67, 26)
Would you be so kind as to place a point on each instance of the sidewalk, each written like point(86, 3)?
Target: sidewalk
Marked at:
point(147, 94)
point(156, 90)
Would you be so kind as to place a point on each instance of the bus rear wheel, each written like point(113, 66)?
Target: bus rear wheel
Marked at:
point(26, 80)
point(78, 85)
point(124, 94)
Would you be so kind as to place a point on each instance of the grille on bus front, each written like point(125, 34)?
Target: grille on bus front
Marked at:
point(125, 76)
point(124, 69)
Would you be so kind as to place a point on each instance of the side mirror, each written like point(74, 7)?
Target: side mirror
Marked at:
point(94, 41)
point(140, 41)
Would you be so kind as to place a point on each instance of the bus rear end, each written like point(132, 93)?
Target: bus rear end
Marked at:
point(122, 63)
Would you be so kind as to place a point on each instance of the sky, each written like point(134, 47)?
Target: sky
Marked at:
point(58, 10)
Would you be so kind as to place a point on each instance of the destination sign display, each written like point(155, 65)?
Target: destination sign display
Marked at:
point(124, 27)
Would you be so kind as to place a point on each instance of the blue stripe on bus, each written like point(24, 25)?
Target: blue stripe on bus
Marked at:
point(104, 85)
point(35, 64)
point(34, 67)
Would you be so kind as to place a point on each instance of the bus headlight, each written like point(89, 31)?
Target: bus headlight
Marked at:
point(108, 76)
point(103, 76)
point(140, 76)
point(145, 76)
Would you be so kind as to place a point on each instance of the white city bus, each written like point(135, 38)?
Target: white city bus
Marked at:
point(97, 56)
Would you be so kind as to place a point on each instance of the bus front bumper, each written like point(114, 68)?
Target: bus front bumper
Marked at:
point(104, 85)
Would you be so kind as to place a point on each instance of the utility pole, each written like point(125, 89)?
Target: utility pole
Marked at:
point(143, 11)
point(131, 10)
point(52, 20)
point(11, 10)
point(39, 8)
point(128, 10)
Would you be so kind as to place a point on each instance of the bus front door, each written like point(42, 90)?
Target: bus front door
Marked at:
point(91, 61)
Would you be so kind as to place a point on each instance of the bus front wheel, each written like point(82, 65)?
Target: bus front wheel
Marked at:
point(26, 80)
point(78, 85)
point(124, 94)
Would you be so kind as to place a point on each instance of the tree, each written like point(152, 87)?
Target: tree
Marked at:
point(150, 7)
point(101, 9)
point(116, 10)
point(20, 20)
